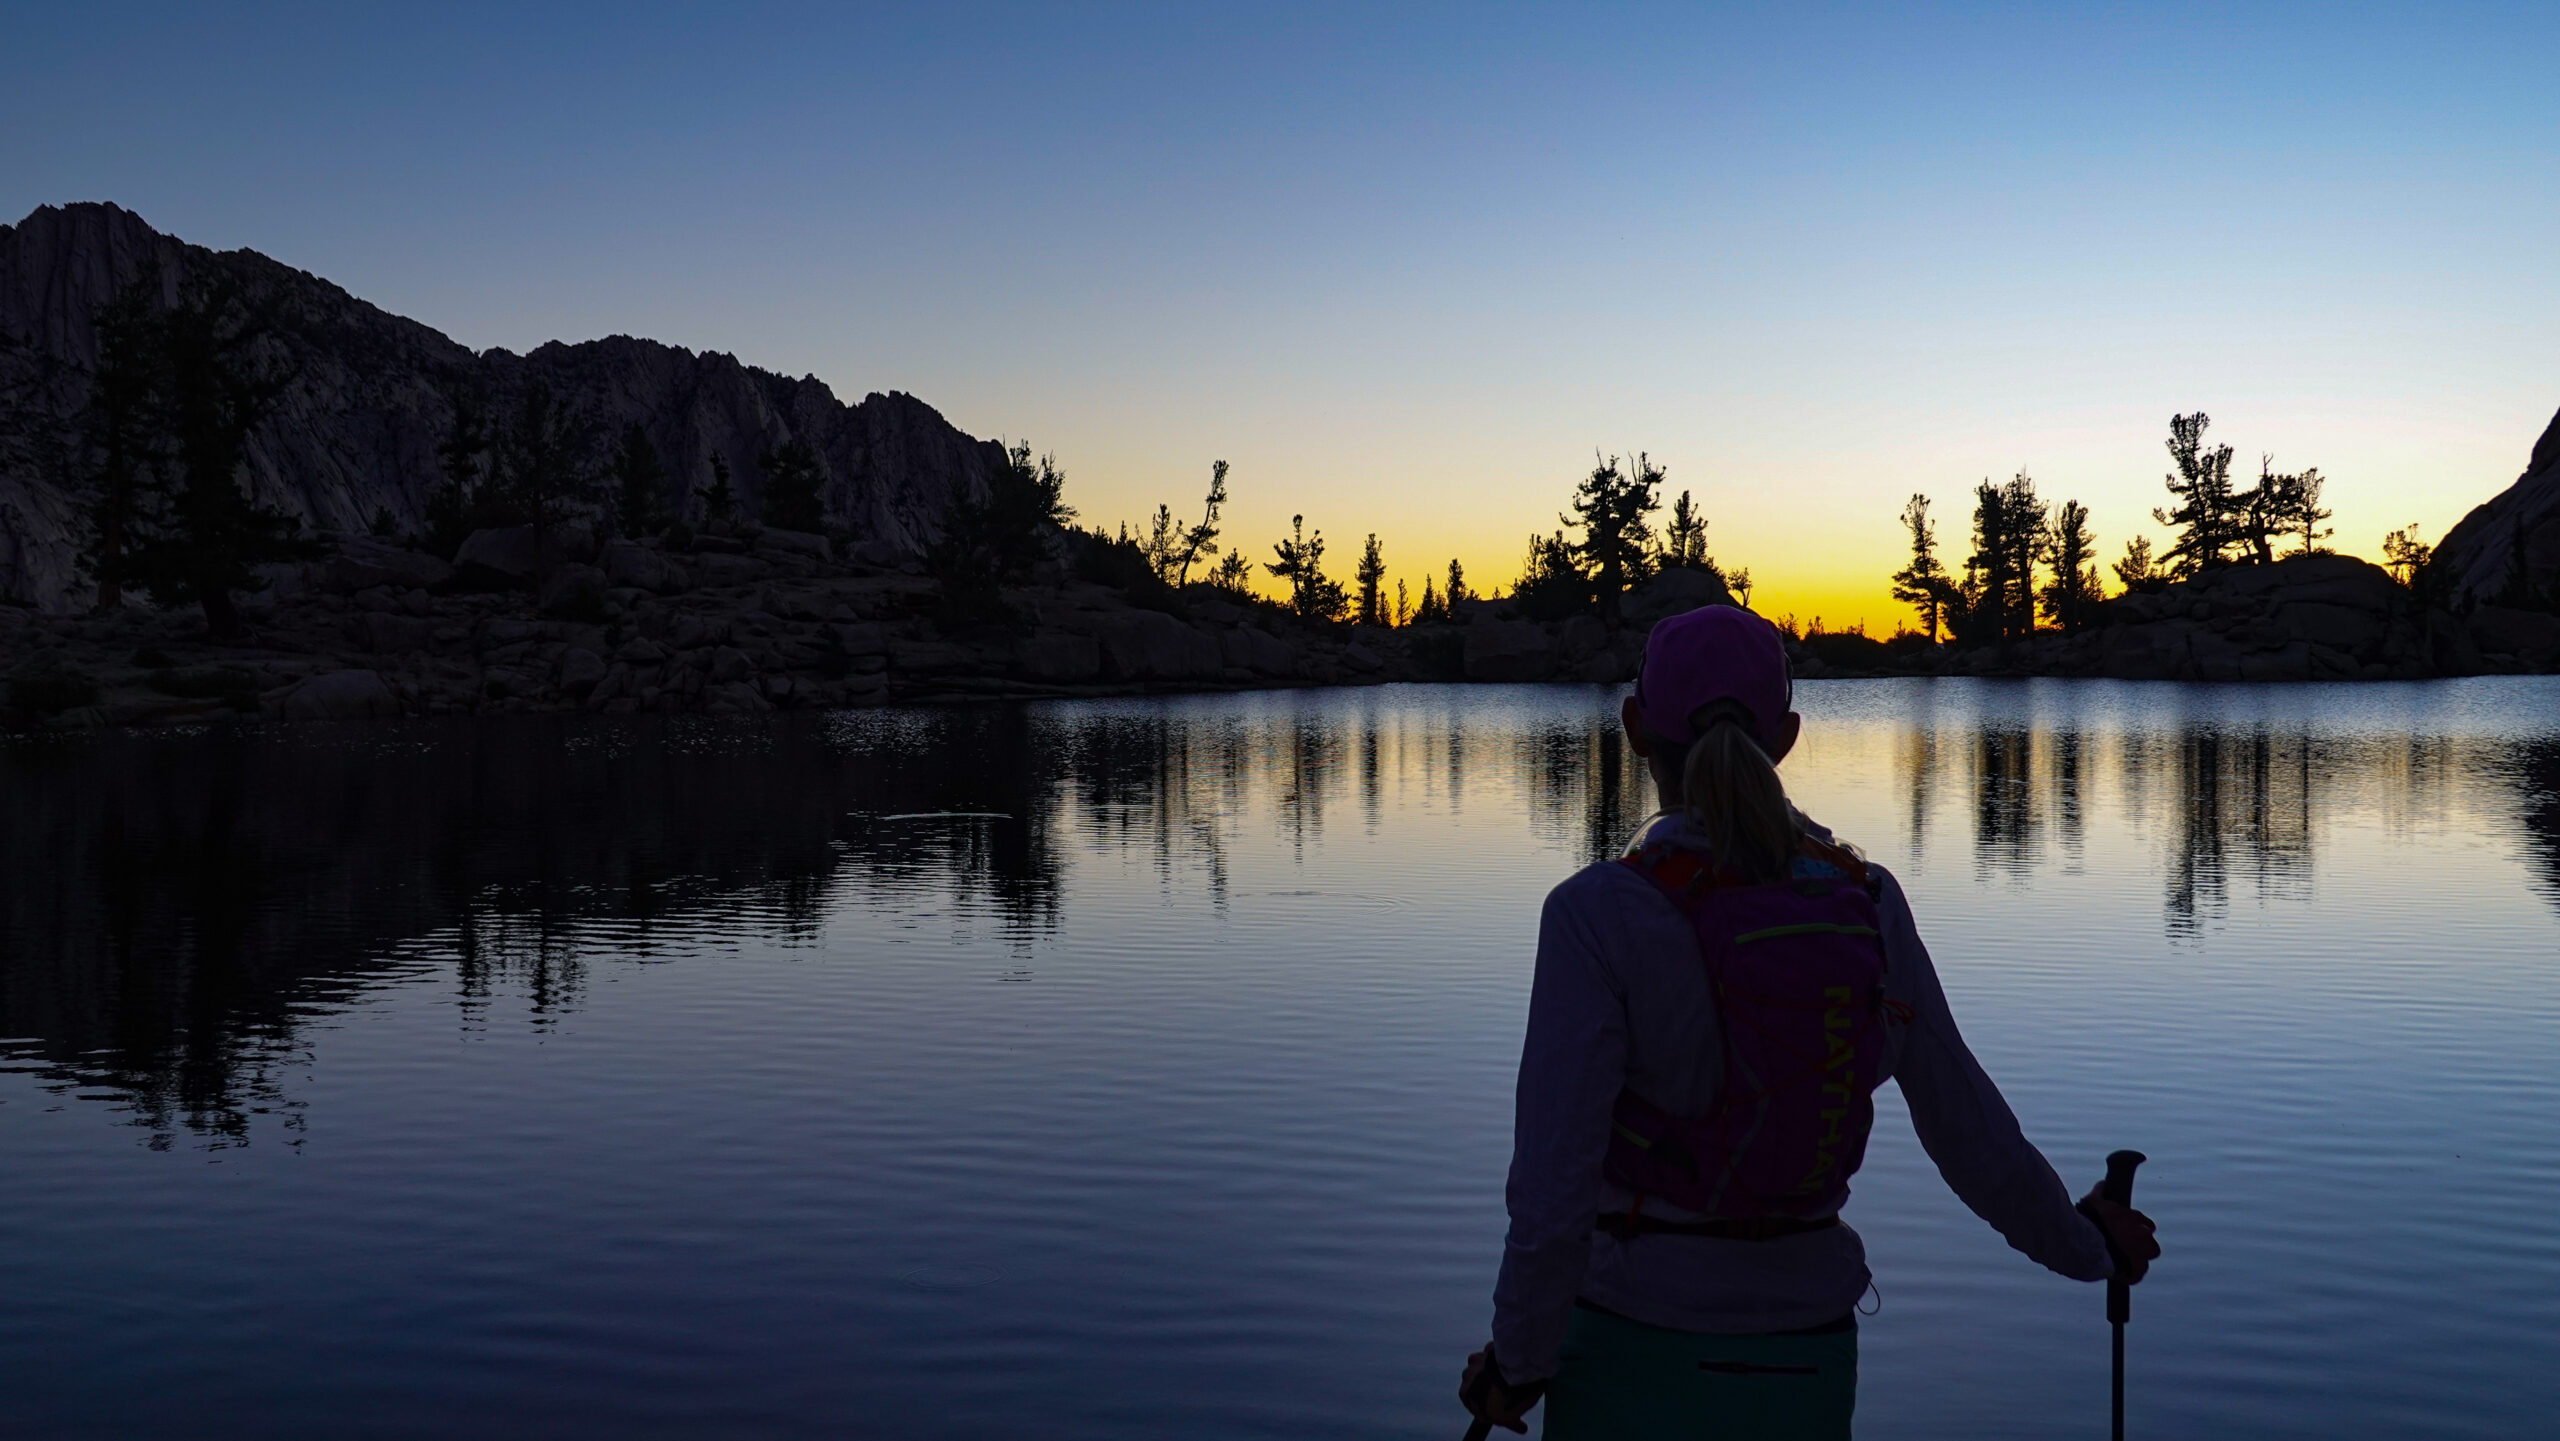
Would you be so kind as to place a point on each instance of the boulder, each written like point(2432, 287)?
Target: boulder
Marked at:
point(574, 540)
point(730, 664)
point(2530, 636)
point(738, 696)
point(498, 558)
point(1671, 593)
point(362, 568)
point(1584, 634)
point(2450, 649)
point(800, 543)
point(619, 681)
point(2153, 651)
point(642, 568)
point(574, 592)
point(384, 633)
point(1058, 656)
point(2211, 657)
point(719, 570)
point(2293, 662)
point(796, 604)
point(1150, 645)
point(580, 670)
point(340, 695)
point(1603, 668)
point(1246, 648)
point(1508, 650)
point(862, 639)
point(2354, 629)
point(928, 657)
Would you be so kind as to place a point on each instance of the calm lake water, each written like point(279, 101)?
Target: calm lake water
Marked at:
point(1142, 1068)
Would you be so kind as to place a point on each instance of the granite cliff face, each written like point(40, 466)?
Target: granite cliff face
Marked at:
point(2506, 553)
point(373, 394)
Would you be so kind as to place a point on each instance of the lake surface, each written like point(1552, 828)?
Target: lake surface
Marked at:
point(1142, 1068)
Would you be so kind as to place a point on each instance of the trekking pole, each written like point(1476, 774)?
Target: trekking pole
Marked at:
point(2117, 1187)
point(1480, 1430)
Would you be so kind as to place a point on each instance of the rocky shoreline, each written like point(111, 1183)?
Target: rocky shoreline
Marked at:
point(754, 621)
point(2306, 618)
point(762, 619)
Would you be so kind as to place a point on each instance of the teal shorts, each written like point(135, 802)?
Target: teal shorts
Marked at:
point(1621, 1380)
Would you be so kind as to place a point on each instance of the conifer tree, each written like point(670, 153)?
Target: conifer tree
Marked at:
point(1684, 538)
point(1551, 584)
point(2206, 512)
point(1233, 574)
point(457, 507)
point(119, 436)
point(993, 540)
point(793, 478)
point(1202, 539)
point(1162, 544)
point(209, 537)
point(2008, 539)
point(719, 501)
point(1370, 573)
point(1404, 609)
point(2279, 506)
point(2406, 556)
point(1430, 611)
point(2074, 590)
point(1301, 563)
point(537, 468)
point(1457, 589)
point(1610, 506)
point(2137, 571)
point(1923, 583)
point(639, 482)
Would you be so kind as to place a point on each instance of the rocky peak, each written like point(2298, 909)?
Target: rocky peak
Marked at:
point(374, 393)
point(2506, 552)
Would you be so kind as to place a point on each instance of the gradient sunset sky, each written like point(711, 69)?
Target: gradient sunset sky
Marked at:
point(1407, 267)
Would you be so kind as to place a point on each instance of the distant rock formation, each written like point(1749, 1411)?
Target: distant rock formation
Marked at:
point(2506, 553)
point(373, 394)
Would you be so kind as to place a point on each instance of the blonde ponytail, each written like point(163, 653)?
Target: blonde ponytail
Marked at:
point(1730, 790)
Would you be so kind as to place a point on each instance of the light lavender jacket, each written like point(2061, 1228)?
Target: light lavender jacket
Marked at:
point(1621, 999)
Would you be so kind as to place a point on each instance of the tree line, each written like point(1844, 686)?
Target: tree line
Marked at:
point(1607, 546)
point(2031, 560)
point(160, 447)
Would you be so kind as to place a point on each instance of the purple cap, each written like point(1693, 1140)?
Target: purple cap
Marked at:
point(1713, 653)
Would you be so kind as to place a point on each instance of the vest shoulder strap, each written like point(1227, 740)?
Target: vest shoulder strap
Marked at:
point(1687, 872)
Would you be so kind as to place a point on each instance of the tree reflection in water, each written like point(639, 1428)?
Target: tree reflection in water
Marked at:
point(179, 906)
point(2536, 778)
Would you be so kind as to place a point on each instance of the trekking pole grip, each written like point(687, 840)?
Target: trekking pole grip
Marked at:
point(2118, 1187)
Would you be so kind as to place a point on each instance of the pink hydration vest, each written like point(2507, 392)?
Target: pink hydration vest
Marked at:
point(1797, 969)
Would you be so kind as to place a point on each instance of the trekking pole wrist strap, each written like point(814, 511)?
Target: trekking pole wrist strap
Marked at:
point(2106, 1237)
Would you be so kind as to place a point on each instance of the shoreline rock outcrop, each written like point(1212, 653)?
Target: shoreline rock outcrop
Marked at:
point(762, 620)
point(749, 621)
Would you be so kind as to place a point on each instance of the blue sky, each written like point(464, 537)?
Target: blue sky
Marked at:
point(1406, 269)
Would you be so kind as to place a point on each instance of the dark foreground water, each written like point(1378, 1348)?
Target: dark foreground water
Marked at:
point(1141, 1069)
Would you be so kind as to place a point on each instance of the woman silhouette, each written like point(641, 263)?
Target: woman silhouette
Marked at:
point(1709, 1019)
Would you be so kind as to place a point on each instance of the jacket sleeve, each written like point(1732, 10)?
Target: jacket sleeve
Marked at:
point(1571, 1067)
point(1966, 1126)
